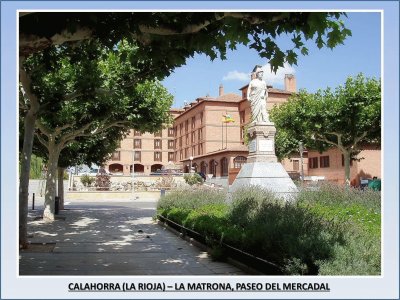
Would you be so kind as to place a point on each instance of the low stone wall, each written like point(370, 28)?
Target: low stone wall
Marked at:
point(106, 195)
point(124, 183)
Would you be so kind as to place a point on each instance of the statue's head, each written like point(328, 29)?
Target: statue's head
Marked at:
point(257, 72)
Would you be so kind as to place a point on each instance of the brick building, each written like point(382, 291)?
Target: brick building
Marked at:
point(146, 152)
point(199, 138)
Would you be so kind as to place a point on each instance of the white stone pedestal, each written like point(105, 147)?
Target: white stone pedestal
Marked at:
point(262, 167)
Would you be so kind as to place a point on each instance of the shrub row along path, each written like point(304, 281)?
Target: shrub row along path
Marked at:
point(111, 238)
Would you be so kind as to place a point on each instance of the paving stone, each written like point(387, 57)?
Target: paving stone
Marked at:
point(107, 239)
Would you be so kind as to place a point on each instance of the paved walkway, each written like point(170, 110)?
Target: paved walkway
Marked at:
point(118, 238)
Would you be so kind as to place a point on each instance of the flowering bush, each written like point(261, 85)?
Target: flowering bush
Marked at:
point(193, 178)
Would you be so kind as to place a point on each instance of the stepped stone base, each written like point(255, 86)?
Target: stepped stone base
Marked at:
point(268, 175)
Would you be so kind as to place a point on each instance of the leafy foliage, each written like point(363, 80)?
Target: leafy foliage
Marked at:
point(344, 118)
point(166, 39)
point(87, 180)
point(193, 178)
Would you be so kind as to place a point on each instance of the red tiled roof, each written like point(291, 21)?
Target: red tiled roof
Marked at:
point(272, 90)
point(231, 97)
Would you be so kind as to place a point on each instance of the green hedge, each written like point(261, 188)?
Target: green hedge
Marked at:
point(332, 231)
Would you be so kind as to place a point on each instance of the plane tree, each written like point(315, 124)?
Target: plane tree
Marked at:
point(95, 149)
point(345, 118)
point(86, 91)
point(88, 150)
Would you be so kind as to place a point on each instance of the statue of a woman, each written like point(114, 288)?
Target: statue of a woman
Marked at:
point(257, 95)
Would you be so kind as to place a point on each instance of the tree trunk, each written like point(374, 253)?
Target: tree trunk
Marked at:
point(50, 194)
point(29, 129)
point(61, 187)
point(346, 155)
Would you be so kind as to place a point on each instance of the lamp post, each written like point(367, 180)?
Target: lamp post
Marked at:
point(301, 149)
point(191, 160)
point(133, 175)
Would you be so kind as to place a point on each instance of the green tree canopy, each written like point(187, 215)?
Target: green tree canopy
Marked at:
point(88, 91)
point(345, 118)
point(170, 37)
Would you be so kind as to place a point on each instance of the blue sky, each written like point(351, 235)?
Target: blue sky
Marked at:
point(321, 68)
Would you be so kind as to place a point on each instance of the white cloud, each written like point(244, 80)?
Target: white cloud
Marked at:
point(236, 75)
point(270, 77)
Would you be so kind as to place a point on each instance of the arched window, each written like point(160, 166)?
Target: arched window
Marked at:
point(213, 167)
point(224, 166)
point(156, 167)
point(115, 168)
point(203, 167)
point(139, 168)
point(239, 161)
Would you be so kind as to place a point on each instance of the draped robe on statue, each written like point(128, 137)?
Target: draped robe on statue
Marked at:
point(256, 95)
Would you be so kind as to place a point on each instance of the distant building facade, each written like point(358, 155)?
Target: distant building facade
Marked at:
point(144, 152)
point(202, 138)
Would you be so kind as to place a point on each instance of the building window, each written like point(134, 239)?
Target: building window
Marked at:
point(193, 122)
point(224, 166)
point(200, 134)
point(242, 115)
point(351, 161)
point(171, 132)
point(116, 155)
point(180, 142)
point(201, 118)
point(157, 144)
point(186, 152)
point(187, 139)
point(137, 133)
point(313, 162)
point(194, 151)
point(239, 161)
point(324, 161)
point(186, 125)
point(193, 137)
point(203, 167)
point(171, 156)
point(180, 129)
point(200, 152)
point(296, 165)
point(158, 133)
point(137, 156)
point(181, 155)
point(157, 156)
point(137, 144)
point(170, 144)
point(213, 167)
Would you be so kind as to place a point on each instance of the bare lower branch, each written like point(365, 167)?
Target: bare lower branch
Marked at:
point(29, 43)
point(42, 128)
point(248, 17)
point(42, 141)
point(324, 139)
point(73, 95)
point(58, 130)
point(26, 82)
point(357, 139)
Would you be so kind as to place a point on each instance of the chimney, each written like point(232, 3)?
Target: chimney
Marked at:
point(290, 83)
point(221, 90)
